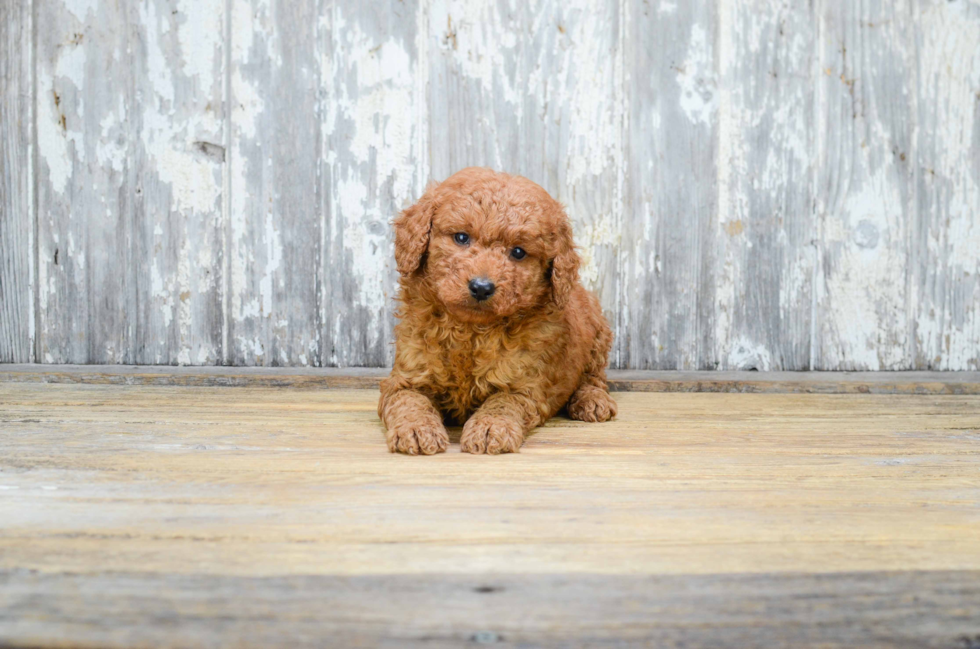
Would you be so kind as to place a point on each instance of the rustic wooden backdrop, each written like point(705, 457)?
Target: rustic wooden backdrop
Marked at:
point(768, 184)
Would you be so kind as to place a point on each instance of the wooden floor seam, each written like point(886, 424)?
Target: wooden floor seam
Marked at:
point(967, 383)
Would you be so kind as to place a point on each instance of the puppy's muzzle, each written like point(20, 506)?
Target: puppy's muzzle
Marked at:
point(481, 288)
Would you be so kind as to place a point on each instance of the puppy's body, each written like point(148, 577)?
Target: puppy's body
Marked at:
point(499, 365)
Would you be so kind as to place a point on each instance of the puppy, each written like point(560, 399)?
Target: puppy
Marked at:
point(495, 331)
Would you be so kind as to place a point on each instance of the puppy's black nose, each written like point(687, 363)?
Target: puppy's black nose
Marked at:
point(481, 288)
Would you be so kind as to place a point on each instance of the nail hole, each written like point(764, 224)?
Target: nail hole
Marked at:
point(485, 637)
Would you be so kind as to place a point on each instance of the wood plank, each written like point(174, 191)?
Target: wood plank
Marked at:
point(17, 216)
point(574, 97)
point(965, 383)
point(865, 187)
point(668, 285)
point(372, 118)
point(275, 219)
point(270, 482)
point(883, 610)
point(765, 227)
point(87, 182)
point(945, 237)
point(477, 81)
point(184, 516)
point(177, 54)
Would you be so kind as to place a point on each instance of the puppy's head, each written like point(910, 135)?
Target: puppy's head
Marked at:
point(488, 244)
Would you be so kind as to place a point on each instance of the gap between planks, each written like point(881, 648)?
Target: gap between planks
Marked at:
point(966, 383)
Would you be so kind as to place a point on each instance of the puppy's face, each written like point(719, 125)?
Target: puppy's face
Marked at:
point(493, 245)
point(488, 258)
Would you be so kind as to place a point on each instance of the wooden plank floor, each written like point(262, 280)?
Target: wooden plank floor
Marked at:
point(208, 516)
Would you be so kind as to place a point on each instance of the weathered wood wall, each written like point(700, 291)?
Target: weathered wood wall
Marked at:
point(765, 184)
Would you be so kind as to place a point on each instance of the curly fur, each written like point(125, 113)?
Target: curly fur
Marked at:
point(503, 366)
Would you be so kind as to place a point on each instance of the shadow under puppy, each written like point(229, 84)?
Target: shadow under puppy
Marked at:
point(495, 331)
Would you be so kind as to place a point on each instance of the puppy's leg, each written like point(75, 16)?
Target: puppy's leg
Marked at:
point(413, 424)
point(500, 424)
point(591, 403)
point(591, 400)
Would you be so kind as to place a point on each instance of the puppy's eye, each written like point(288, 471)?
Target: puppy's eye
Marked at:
point(461, 238)
point(518, 253)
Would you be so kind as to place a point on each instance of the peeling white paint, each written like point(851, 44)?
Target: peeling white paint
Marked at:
point(697, 78)
point(730, 154)
point(748, 355)
point(111, 149)
point(193, 181)
point(373, 115)
point(382, 109)
point(865, 292)
point(248, 105)
point(273, 259)
point(200, 35)
point(597, 234)
point(80, 9)
point(167, 137)
point(368, 250)
point(947, 324)
point(479, 47)
point(52, 143)
point(55, 132)
point(557, 78)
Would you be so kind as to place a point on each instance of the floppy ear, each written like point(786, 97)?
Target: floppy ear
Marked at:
point(412, 234)
point(564, 266)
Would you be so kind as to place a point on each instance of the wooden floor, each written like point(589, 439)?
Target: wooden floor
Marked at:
point(235, 516)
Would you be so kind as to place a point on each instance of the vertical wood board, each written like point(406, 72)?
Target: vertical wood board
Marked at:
point(16, 183)
point(87, 182)
point(865, 188)
point(273, 234)
point(765, 227)
point(668, 283)
point(372, 122)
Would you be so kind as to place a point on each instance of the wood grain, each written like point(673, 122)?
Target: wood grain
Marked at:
point(477, 81)
point(372, 117)
point(87, 183)
point(753, 183)
point(668, 284)
point(17, 217)
point(865, 186)
point(208, 515)
point(866, 609)
point(179, 230)
point(273, 246)
point(944, 262)
point(764, 232)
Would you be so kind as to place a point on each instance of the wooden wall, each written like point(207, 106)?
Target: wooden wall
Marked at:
point(769, 184)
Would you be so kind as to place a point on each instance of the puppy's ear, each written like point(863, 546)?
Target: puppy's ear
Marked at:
point(412, 229)
point(564, 266)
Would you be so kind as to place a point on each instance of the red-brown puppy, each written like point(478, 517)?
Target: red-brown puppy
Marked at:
point(496, 332)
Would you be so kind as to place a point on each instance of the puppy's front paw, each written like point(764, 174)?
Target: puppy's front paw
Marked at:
point(493, 435)
point(590, 403)
point(425, 437)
